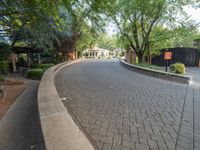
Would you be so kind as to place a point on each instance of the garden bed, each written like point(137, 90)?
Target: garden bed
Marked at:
point(154, 67)
point(158, 74)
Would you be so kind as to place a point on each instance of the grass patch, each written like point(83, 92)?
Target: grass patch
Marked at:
point(154, 67)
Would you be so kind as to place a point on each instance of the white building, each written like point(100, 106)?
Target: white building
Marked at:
point(97, 53)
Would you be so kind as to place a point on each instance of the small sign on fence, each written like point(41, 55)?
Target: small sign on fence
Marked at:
point(167, 55)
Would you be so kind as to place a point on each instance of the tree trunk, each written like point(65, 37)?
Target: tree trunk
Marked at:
point(140, 58)
point(149, 56)
point(130, 56)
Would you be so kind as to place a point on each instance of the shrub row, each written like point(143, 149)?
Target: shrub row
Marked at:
point(46, 66)
point(35, 74)
point(38, 71)
point(43, 66)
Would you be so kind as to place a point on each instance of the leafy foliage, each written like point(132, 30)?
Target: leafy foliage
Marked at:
point(181, 36)
point(43, 24)
point(65, 25)
point(46, 66)
point(35, 74)
point(149, 66)
point(107, 42)
point(178, 68)
point(87, 38)
point(4, 51)
point(136, 21)
point(43, 66)
point(4, 67)
point(1, 78)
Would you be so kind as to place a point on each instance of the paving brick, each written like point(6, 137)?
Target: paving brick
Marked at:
point(170, 145)
point(152, 145)
point(142, 147)
point(126, 144)
point(99, 145)
point(107, 146)
point(162, 145)
point(116, 147)
point(157, 138)
point(113, 105)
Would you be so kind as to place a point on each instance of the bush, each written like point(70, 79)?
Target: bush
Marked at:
point(4, 67)
point(58, 58)
point(35, 73)
point(1, 79)
point(46, 66)
point(43, 66)
point(5, 51)
point(178, 68)
point(36, 66)
point(38, 71)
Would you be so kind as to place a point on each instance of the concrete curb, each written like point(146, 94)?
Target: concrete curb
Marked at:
point(185, 79)
point(59, 130)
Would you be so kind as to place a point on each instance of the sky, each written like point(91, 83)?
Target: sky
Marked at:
point(192, 12)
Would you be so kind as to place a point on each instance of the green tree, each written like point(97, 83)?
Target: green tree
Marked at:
point(136, 20)
point(49, 25)
point(86, 40)
point(107, 42)
point(30, 22)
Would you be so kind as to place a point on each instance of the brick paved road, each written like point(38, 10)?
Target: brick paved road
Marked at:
point(195, 73)
point(120, 109)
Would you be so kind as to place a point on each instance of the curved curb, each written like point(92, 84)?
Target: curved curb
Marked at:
point(59, 130)
point(159, 74)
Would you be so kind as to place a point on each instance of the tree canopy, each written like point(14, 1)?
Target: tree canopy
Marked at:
point(136, 20)
point(145, 26)
point(43, 24)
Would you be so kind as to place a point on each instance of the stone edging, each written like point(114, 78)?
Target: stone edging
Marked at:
point(59, 130)
point(159, 74)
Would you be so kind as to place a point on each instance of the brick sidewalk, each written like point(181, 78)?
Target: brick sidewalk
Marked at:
point(120, 109)
point(189, 129)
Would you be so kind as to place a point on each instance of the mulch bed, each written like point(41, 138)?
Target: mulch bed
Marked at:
point(11, 89)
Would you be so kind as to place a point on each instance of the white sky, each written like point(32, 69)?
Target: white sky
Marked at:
point(192, 12)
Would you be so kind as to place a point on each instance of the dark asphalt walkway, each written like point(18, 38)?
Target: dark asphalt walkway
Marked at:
point(20, 127)
point(120, 109)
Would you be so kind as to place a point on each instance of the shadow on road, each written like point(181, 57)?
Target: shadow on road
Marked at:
point(20, 127)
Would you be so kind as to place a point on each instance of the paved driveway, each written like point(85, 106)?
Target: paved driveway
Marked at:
point(120, 109)
point(195, 73)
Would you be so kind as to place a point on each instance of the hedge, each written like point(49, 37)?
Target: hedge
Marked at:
point(46, 66)
point(35, 73)
point(38, 71)
point(43, 66)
